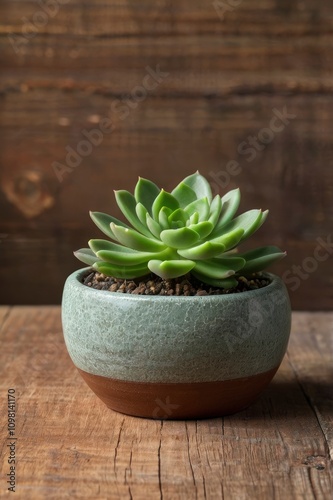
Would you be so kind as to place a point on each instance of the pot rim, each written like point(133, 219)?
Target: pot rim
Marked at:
point(75, 277)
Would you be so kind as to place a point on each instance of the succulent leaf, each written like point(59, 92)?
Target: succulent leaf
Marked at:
point(200, 206)
point(179, 215)
point(215, 210)
point(125, 272)
point(249, 221)
point(229, 240)
point(220, 268)
point(177, 224)
point(236, 262)
point(103, 222)
point(172, 234)
point(164, 199)
point(86, 256)
point(153, 226)
point(118, 254)
point(97, 244)
point(132, 239)
point(145, 193)
point(202, 228)
point(204, 251)
point(163, 217)
point(179, 238)
point(224, 283)
point(123, 258)
point(169, 269)
point(141, 212)
point(184, 194)
point(230, 204)
point(199, 185)
point(194, 219)
point(127, 204)
point(260, 258)
point(252, 227)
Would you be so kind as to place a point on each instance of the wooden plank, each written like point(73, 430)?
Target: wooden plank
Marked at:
point(128, 17)
point(255, 48)
point(159, 139)
point(314, 372)
point(209, 64)
point(71, 446)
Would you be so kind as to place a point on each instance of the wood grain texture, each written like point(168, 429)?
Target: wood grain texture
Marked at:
point(225, 78)
point(4, 313)
point(70, 445)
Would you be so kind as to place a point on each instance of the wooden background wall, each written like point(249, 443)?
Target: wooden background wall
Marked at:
point(229, 64)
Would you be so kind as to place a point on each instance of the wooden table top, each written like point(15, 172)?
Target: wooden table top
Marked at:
point(69, 445)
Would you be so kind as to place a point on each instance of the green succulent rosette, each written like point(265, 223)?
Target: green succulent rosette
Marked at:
point(172, 234)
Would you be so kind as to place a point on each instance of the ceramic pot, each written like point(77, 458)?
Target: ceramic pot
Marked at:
point(176, 357)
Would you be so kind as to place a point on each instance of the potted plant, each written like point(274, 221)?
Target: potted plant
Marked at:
point(170, 320)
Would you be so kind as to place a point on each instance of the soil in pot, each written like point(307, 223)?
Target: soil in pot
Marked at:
point(154, 285)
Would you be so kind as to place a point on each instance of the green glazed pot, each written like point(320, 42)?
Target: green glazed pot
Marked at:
point(176, 357)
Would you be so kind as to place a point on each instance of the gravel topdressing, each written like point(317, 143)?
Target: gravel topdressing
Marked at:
point(154, 285)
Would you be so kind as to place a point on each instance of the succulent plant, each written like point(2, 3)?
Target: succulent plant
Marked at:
point(172, 234)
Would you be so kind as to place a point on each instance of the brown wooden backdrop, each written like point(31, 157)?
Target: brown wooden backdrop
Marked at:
point(230, 64)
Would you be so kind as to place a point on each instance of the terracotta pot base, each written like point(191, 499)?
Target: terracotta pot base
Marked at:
point(178, 400)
